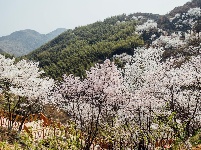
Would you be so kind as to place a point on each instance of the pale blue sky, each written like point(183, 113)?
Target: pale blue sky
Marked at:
point(46, 15)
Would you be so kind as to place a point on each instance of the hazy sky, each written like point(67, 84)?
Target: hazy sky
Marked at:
point(46, 15)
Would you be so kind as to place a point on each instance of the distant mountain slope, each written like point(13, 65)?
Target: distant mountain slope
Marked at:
point(1, 51)
point(54, 33)
point(22, 42)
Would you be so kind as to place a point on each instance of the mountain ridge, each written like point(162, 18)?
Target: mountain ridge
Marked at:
point(23, 42)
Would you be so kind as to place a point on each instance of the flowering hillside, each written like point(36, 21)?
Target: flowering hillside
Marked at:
point(144, 96)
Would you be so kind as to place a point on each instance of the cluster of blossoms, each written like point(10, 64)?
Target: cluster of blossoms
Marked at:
point(137, 17)
point(27, 81)
point(147, 82)
point(186, 19)
point(146, 76)
point(100, 95)
point(24, 79)
point(194, 12)
point(142, 61)
point(147, 26)
point(124, 57)
point(163, 88)
point(169, 42)
point(186, 22)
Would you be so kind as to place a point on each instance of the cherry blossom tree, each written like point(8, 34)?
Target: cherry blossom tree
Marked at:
point(96, 100)
point(173, 88)
point(23, 80)
point(143, 60)
point(185, 92)
point(162, 88)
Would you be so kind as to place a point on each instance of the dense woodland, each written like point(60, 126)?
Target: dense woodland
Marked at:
point(77, 50)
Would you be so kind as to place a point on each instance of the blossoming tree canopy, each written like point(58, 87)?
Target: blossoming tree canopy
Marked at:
point(28, 76)
point(23, 88)
point(150, 24)
point(102, 90)
point(105, 81)
point(25, 79)
point(143, 60)
point(174, 85)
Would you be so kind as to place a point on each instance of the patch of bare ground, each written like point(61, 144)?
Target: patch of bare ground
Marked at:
point(198, 147)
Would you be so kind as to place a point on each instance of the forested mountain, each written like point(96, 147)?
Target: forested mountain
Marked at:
point(22, 42)
point(76, 50)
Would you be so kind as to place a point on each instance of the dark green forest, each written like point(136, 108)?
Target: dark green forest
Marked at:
point(77, 50)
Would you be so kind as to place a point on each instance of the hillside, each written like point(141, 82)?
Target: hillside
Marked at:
point(172, 21)
point(128, 82)
point(76, 50)
point(185, 7)
point(22, 42)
